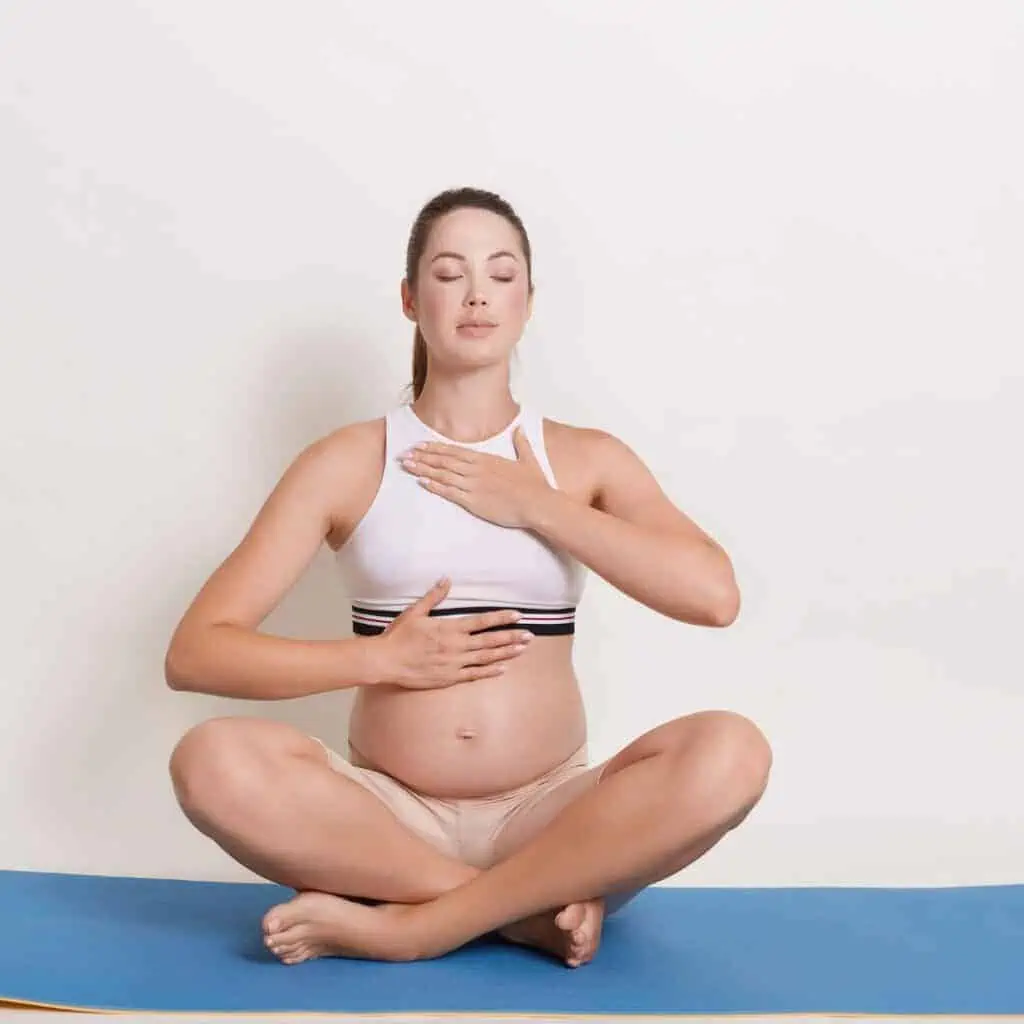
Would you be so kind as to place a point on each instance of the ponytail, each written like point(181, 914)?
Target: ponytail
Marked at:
point(441, 205)
point(419, 363)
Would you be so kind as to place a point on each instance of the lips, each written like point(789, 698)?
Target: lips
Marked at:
point(475, 329)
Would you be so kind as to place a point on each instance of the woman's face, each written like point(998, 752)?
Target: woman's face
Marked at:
point(472, 297)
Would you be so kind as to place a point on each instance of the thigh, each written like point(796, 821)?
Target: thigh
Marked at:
point(535, 815)
point(538, 811)
point(233, 752)
point(531, 819)
point(224, 768)
point(431, 820)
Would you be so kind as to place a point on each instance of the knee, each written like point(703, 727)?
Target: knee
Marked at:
point(220, 761)
point(738, 747)
point(738, 739)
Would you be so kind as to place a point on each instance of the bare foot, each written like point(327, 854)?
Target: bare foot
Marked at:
point(572, 934)
point(315, 924)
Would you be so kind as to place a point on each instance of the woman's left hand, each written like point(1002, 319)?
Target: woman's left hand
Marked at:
point(494, 488)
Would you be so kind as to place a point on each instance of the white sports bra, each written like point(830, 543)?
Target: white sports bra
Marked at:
point(410, 538)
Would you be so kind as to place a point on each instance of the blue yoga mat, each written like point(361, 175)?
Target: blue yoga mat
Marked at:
point(103, 943)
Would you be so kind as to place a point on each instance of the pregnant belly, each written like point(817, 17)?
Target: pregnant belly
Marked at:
point(475, 739)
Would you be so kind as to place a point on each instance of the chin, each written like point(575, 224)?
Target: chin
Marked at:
point(480, 351)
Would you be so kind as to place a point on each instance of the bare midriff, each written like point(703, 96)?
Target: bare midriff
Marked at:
point(475, 739)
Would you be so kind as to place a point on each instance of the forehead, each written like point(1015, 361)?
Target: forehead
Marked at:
point(471, 231)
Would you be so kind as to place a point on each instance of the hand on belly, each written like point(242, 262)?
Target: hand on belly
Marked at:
point(476, 738)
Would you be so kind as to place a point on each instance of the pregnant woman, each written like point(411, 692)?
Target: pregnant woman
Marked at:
point(463, 523)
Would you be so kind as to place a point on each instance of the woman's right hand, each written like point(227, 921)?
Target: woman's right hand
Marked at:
point(421, 652)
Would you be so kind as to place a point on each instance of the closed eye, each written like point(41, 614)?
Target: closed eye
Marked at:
point(504, 280)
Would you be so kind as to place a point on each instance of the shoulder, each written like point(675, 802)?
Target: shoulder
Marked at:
point(586, 456)
point(344, 451)
point(580, 441)
point(352, 440)
point(620, 482)
point(344, 469)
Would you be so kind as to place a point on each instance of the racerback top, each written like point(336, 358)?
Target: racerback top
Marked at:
point(410, 538)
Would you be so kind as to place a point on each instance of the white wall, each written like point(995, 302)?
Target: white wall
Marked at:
point(778, 251)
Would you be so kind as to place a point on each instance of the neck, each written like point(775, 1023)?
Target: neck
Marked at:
point(466, 410)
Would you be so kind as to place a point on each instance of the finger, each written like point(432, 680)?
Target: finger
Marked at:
point(456, 494)
point(487, 620)
point(418, 460)
point(486, 641)
point(442, 476)
point(448, 451)
point(434, 596)
point(489, 657)
point(470, 675)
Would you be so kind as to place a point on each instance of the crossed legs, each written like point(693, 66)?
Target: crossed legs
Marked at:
point(265, 794)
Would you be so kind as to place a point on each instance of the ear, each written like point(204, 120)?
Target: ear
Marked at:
point(408, 306)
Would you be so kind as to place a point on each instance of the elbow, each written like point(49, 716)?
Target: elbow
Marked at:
point(727, 608)
point(726, 611)
point(717, 612)
point(727, 601)
point(174, 677)
point(722, 603)
point(178, 674)
point(717, 604)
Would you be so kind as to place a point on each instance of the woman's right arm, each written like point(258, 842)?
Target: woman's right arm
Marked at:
point(216, 648)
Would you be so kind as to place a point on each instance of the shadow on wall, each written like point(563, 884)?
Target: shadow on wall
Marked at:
point(313, 382)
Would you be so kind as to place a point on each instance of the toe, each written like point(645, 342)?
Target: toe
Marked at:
point(273, 920)
point(571, 917)
point(291, 937)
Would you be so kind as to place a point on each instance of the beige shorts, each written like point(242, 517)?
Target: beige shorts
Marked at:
point(472, 830)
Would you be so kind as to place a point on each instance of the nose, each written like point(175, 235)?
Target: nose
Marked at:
point(476, 295)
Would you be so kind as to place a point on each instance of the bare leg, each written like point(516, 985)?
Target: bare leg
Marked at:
point(571, 933)
point(661, 803)
point(266, 795)
point(264, 792)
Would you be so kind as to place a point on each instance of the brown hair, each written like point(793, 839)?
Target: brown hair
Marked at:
point(444, 203)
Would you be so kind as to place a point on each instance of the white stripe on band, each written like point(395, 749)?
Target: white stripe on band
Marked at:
point(369, 621)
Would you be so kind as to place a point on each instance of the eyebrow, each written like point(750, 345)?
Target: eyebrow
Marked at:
point(459, 256)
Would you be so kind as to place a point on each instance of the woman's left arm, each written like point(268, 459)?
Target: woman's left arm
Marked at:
point(633, 536)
